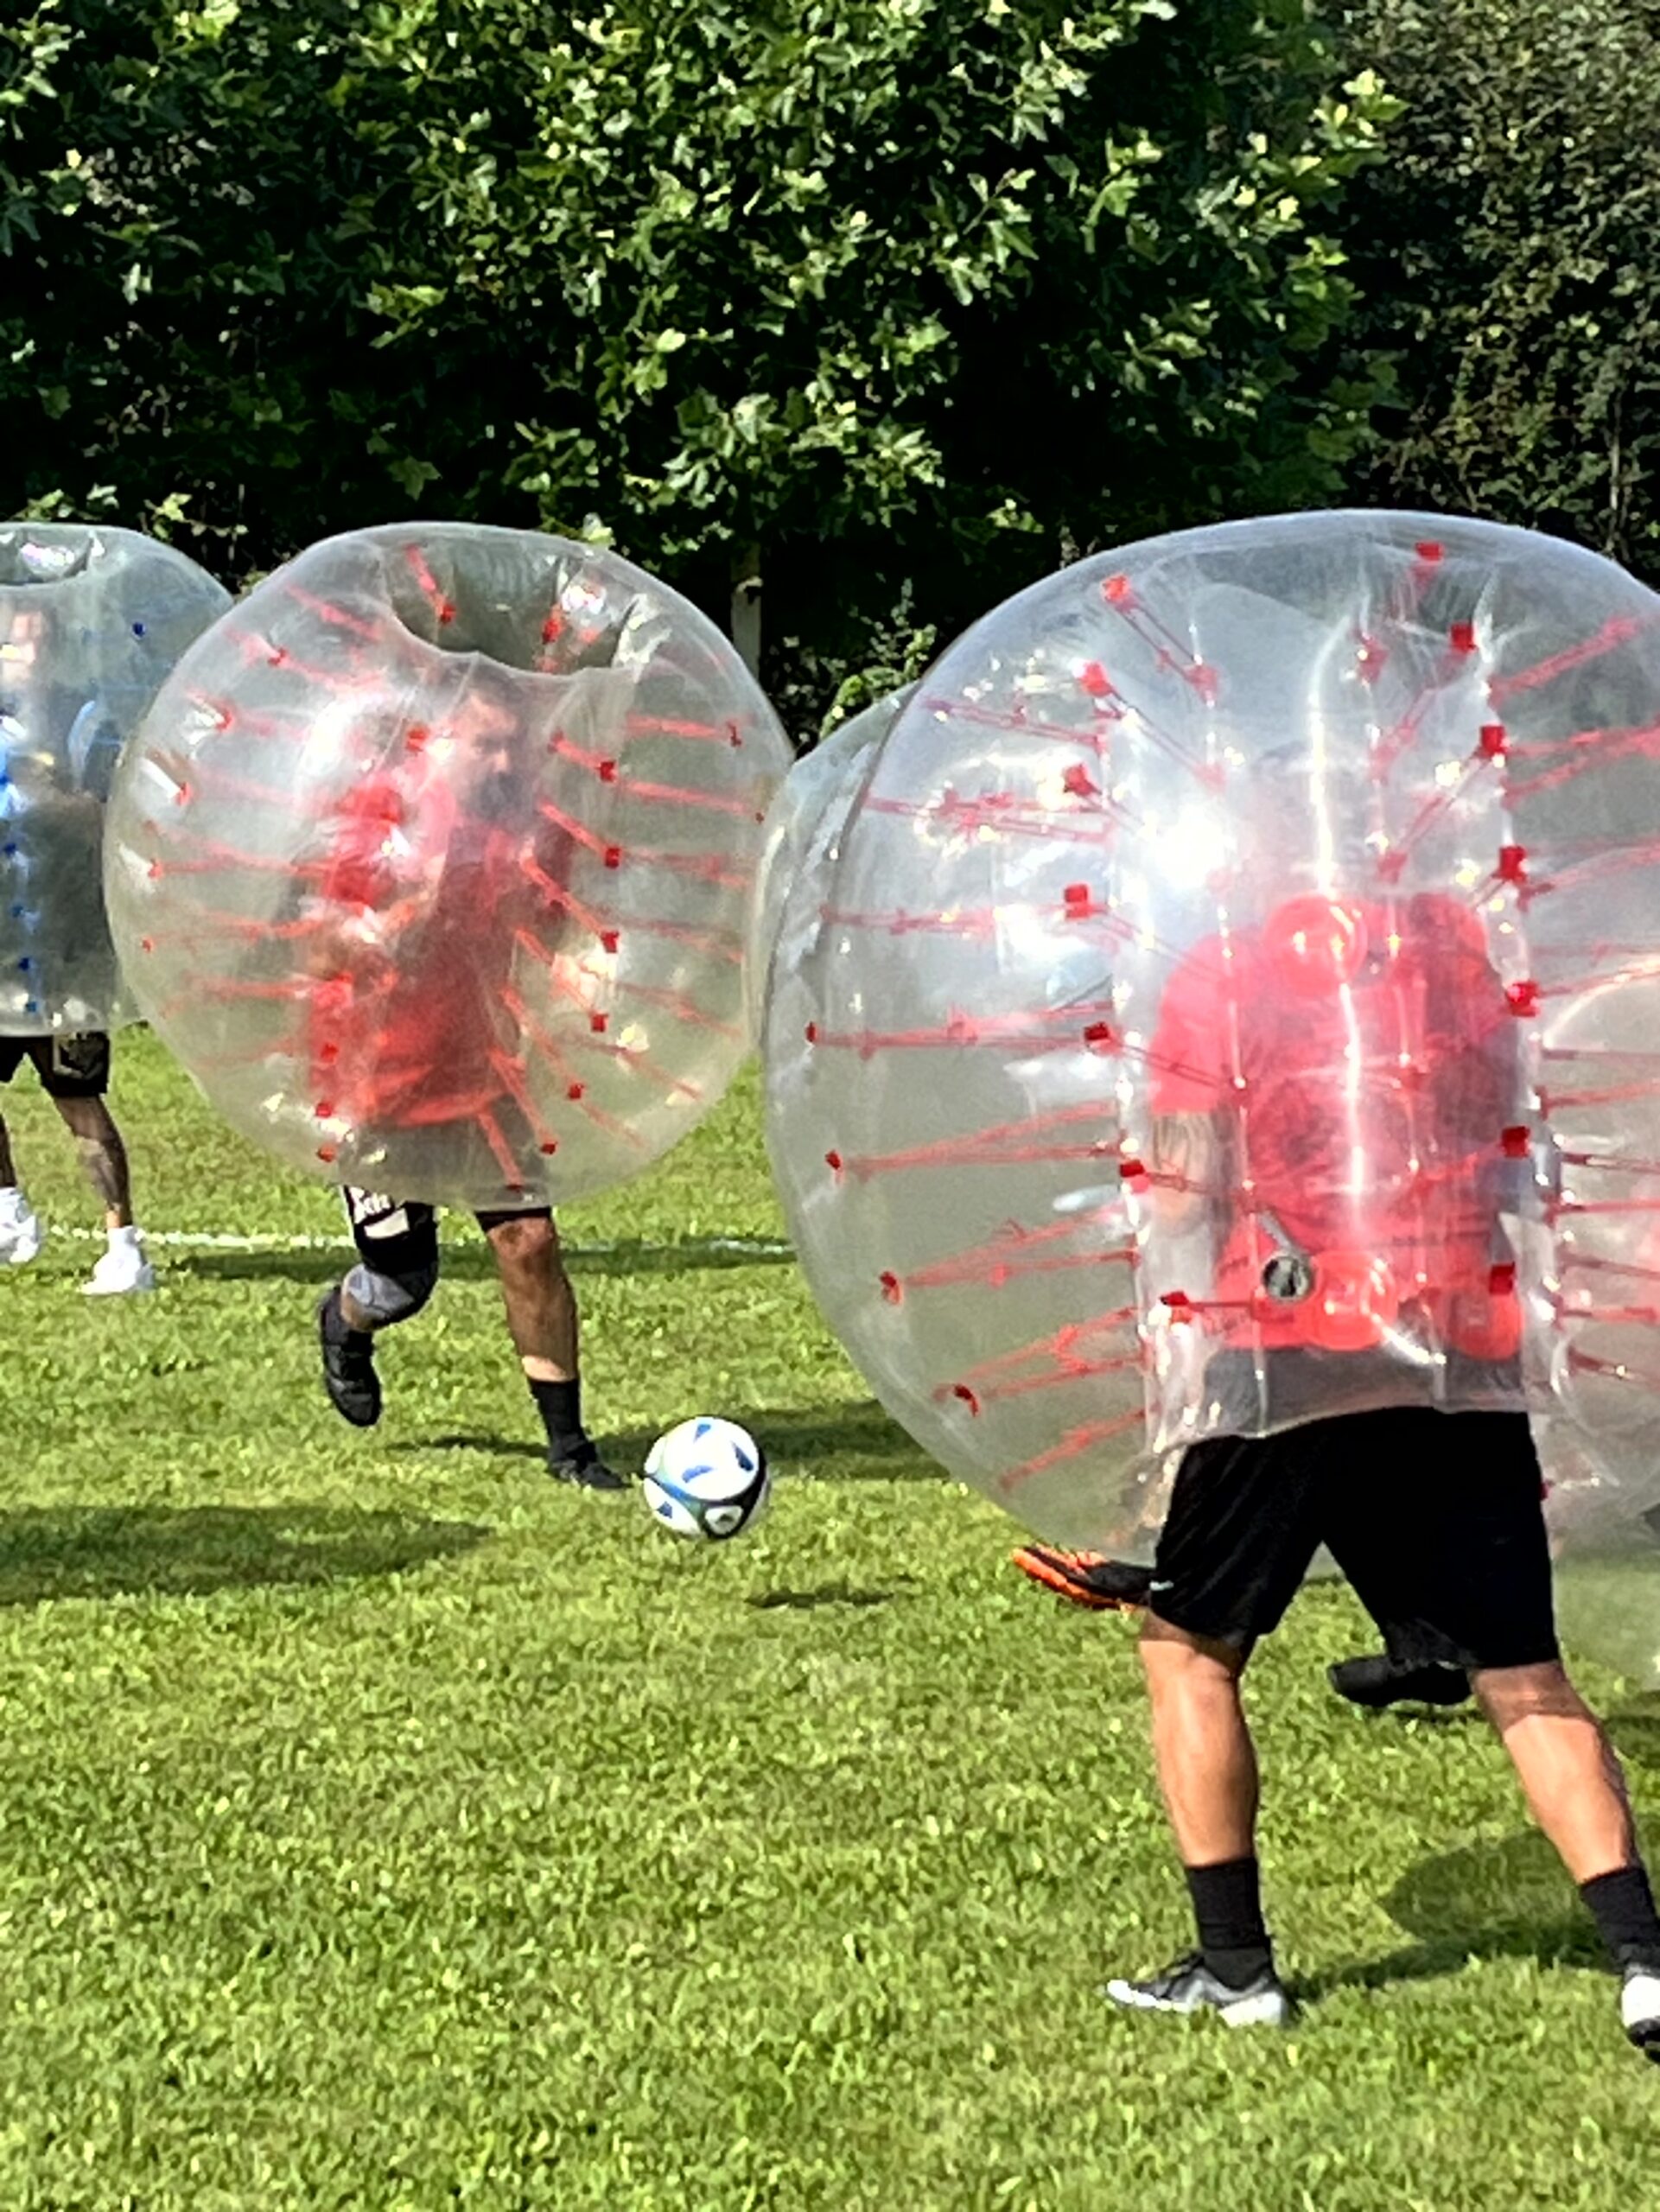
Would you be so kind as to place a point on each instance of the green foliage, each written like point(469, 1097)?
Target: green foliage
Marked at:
point(1511, 251)
point(387, 1831)
point(937, 289)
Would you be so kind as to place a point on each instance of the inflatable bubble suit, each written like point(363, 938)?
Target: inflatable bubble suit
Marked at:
point(815, 788)
point(431, 863)
point(1230, 995)
point(91, 621)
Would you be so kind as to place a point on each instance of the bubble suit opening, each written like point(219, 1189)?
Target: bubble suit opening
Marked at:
point(92, 620)
point(1229, 998)
point(431, 863)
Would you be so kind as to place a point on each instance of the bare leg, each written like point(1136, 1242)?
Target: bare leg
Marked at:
point(1206, 1760)
point(536, 1290)
point(8, 1166)
point(103, 1155)
point(1567, 1767)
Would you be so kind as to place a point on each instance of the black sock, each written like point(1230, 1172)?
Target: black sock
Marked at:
point(1228, 1907)
point(560, 1405)
point(1623, 1906)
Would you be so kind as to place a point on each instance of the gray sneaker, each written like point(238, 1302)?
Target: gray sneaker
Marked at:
point(1640, 2010)
point(349, 1375)
point(1189, 1987)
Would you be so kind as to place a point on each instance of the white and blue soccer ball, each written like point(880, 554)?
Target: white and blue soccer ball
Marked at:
point(707, 1480)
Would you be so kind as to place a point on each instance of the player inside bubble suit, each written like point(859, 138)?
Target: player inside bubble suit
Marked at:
point(1365, 1265)
point(411, 1033)
point(1312, 972)
point(1352, 1206)
point(51, 809)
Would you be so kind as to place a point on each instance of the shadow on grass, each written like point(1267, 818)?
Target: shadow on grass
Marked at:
point(494, 1447)
point(108, 1551)
point(827, 1593)
point(859, 1436)
point(473, 1262)
point(1509, 1900)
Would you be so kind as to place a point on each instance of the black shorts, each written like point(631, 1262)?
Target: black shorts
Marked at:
point(1437, 1519)
point(69, 1067)
point(399, 1237)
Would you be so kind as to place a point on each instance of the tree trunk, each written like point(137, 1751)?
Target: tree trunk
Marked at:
point(745, 607)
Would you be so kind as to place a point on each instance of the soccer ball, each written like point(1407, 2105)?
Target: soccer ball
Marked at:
point(706, 1478)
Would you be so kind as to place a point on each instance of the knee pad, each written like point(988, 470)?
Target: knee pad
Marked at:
point(388, 1297)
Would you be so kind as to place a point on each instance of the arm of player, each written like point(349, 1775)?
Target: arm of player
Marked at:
point(1187, 1163)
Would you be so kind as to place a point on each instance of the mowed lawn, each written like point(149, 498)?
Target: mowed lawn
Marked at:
point(381, 1827)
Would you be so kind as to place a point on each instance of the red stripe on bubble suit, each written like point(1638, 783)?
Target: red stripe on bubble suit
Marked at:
point(1014, 817)
point(1484, 763)
point(1461, 649)
point(512, 1073)
point(375, 630)
point(1060, 1029)
point(1065, 1375)
point(1076, 1353)
point(633, 1060)
point(1003, 1144)
point(1645, 1381)
point(565, 901)
point(1586, 749)
point(1172, 651)
point(1553, 1100)
point(609, 770)
point(1619, 631)
point(550, 1051)
point(1064, 1352)
point(1106, 702)
point(725, 733)
point(1597, 864)
point(1078, 909)
point(1573, 1262)
point(1085, 1437)
point(443, 608)
point(1018, 1250)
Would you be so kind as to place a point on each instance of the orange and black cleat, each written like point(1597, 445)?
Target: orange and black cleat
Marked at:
point(1089, 1578)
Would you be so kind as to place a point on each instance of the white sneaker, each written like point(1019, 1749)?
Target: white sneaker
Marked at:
point(1640, 2010)
point(22, 1232)
point(122, 1272)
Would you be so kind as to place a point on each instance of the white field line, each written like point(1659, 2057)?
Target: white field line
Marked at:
point(207, 1240)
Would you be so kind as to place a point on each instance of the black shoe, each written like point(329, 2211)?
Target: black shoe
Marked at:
point(1189, 1987)
point(585, 1468)
point(349, 1375)
point(1377, 1680)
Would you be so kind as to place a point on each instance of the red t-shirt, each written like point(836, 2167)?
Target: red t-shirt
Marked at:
point(1361, 1068)
point(406, 1031)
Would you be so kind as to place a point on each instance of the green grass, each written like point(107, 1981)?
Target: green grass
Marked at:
point(381, 1827)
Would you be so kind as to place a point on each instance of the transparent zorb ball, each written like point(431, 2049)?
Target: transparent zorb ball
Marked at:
point(431, 864)
point(1226, 1001)
point(91, 620)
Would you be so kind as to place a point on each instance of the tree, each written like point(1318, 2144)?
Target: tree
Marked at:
point(1510, 253)
point(845, 294)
